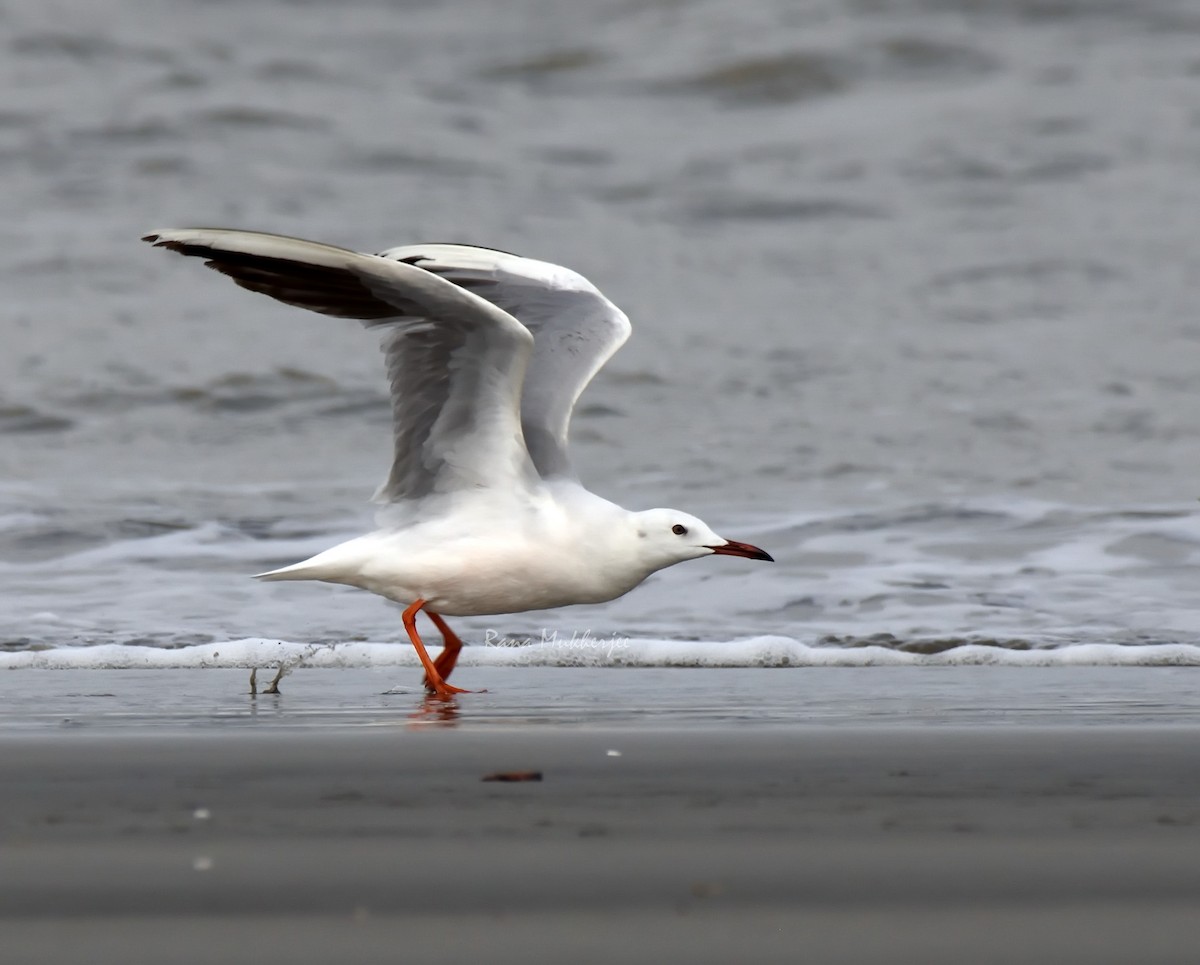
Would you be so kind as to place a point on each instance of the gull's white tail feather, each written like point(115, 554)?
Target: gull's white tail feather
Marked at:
point(338, 564)
point(297, 571)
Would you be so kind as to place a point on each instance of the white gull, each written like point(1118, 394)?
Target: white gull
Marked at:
point(487, 353)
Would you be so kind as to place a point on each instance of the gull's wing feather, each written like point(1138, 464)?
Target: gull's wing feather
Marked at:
point(575, 331)
point(456, 362)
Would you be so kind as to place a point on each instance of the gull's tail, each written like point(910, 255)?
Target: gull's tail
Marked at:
point(338, 564)
point(297, 571)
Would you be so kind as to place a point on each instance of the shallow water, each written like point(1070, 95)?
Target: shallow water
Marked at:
point(82, 702)
point(911, 280)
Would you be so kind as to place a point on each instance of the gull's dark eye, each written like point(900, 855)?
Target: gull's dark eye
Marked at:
point(679, 529)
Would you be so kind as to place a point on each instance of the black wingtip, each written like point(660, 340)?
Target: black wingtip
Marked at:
point(178, 246)
point(173, 244)
point(159, 242)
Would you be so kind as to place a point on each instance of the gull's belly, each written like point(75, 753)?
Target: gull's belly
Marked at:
point(481, 579)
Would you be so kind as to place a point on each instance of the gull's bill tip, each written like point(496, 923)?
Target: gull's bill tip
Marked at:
point(734, 548)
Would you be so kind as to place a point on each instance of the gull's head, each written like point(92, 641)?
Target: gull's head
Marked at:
point(667, 536)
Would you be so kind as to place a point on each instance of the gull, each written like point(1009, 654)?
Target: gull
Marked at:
point(486, 353)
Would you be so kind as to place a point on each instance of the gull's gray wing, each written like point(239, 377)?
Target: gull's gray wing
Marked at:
point(456, 362)
point(575, 331)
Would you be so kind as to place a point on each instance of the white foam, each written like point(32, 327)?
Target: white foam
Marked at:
point(762, 651)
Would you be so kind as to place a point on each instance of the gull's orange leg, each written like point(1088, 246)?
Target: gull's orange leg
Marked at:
point(433, 678)
point(451, 645)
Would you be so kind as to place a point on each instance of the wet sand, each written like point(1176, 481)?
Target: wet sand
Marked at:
point(304, 837)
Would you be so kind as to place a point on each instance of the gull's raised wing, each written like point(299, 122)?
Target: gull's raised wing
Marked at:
point(575, 331)
point(456, 362)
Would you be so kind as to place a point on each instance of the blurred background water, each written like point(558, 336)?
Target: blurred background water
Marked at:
point(912, 284)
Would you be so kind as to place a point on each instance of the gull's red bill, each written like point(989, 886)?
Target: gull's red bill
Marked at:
point(734, 548)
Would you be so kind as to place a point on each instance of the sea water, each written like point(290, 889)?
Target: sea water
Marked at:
point(912, 285)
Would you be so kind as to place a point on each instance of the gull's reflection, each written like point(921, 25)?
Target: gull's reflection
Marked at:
point(435, 711)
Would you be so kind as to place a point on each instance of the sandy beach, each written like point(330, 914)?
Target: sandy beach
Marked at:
point(285, 833)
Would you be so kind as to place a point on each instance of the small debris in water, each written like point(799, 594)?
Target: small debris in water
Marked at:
point(510, 776)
